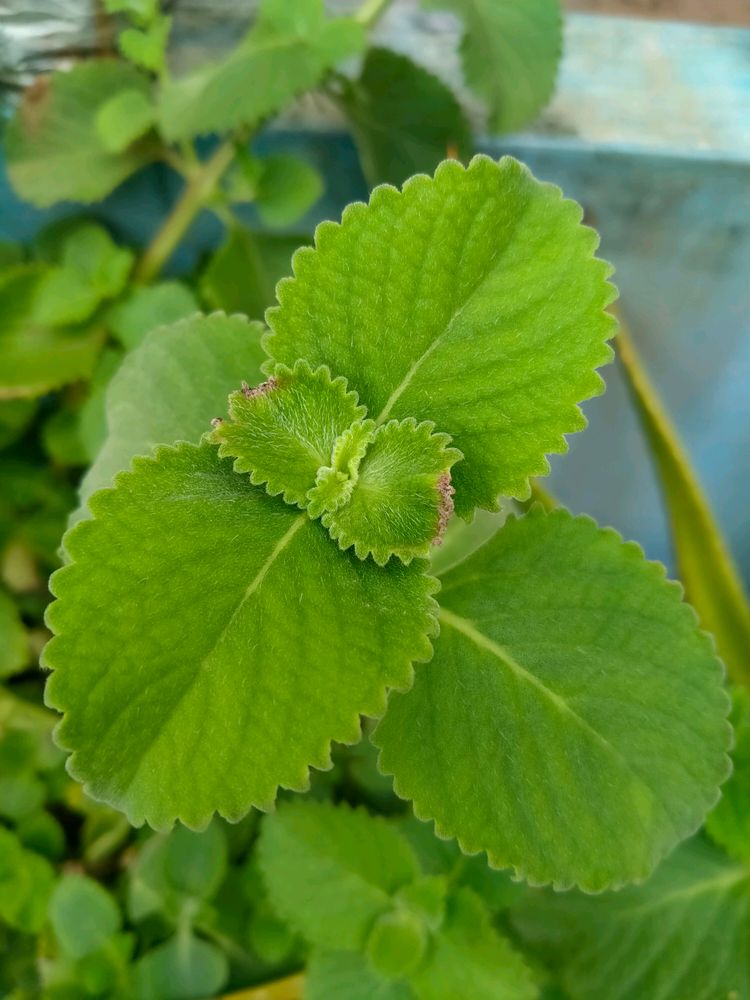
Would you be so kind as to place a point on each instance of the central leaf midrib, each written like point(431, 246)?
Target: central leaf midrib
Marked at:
point(484, 642)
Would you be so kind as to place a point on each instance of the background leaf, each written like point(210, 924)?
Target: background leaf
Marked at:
point(184, 700)
point(729, 823)
point(572, 723)
point(510, 52)
point(184, 968)
point(478, 305)
point(404, 119)
point(53, 148)
point(683, 933)
point(83, 915)
point(14, 650)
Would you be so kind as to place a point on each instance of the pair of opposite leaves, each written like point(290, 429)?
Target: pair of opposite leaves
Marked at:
point(212, 640)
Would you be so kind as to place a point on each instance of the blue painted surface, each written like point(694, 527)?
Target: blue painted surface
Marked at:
point(667, 185)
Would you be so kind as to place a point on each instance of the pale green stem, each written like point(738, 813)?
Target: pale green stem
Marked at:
point(197, 192)
point(706, 568)
point(371, 11)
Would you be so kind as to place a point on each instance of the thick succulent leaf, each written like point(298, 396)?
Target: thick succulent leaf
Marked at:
point(243, 273)
point(35, 354)
point(171, 387)
point(183, 968)
point(341, 975)
point(145, 308)
point(285, 429)
point(182, 700)
point(510, 52)
point(332, 870)
point(401, 499)
point(83, 915)
point(573, 722)
point(26, 881)
point(470, 960)
point(477, 304)
point(729, 823)
point(404, 119)
point(288, 50)
point(684, 933)
point(14, 647)
point(53, 147)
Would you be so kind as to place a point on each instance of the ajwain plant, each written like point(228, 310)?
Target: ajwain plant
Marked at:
point(308, 552)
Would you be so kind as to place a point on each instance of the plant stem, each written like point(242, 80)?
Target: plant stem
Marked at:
point(289, 988)
point(371, 11)
point(706, 568)
point(197, 191)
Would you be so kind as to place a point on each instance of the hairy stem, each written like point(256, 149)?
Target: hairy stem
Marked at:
point(197, 191)
point(371, 11)
point(706, 568)
point(289, 988)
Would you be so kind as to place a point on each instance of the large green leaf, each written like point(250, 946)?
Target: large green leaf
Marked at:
point(331, 871)
point(572, 723)
point(684, 934)
point(471, 299)
point(53, 147)
point(404, 119)
point(288, 50)
point(510, 52)
point(191, 677)
point(171, 387)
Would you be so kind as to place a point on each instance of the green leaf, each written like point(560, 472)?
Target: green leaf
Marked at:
point(143, 309)
point(184, 700)
point(26, 881)
point(682, 934)
point(510, 52)
point(146, 47)
point(173, 868)
point(288, 51)
point(287, 188)
point(171, 387)
point(704, 561)
point(284, 430)
point(572, 723)
point(53, 148)
point(35, 356)
point(42, 833)
point(404, 119)
point(83, 915)
point(397, 943)
point(332, 870)
point(124, 118)
point(14, 649)
point(470, 960)
point(142, 11)
point(185, 968)
point(477, 304)
point(341, 975)
point(243, 273)
point(15, 417)
point(729, 823)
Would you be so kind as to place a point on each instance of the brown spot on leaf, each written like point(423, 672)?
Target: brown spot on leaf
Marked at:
point(217, 422)
point(258, 390)
point(35, 104)
point(445, 506)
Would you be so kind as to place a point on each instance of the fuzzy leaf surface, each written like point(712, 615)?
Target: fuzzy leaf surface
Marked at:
point(402, 498)
point(684, 933)
point(171, 387)
point(288, 50)
point(282, 431)
point(403, 118)
point(471, 299)
point(191, 678)
point(510, 53)
point(332, 870)
point(53, 146)
point(573, 722)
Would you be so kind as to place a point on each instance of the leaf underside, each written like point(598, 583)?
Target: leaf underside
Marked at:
point(572, 723)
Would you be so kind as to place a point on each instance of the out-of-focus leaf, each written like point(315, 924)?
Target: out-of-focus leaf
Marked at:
point(83, 915)
point(145, 308)
point(26, 881)
point(185, 968)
